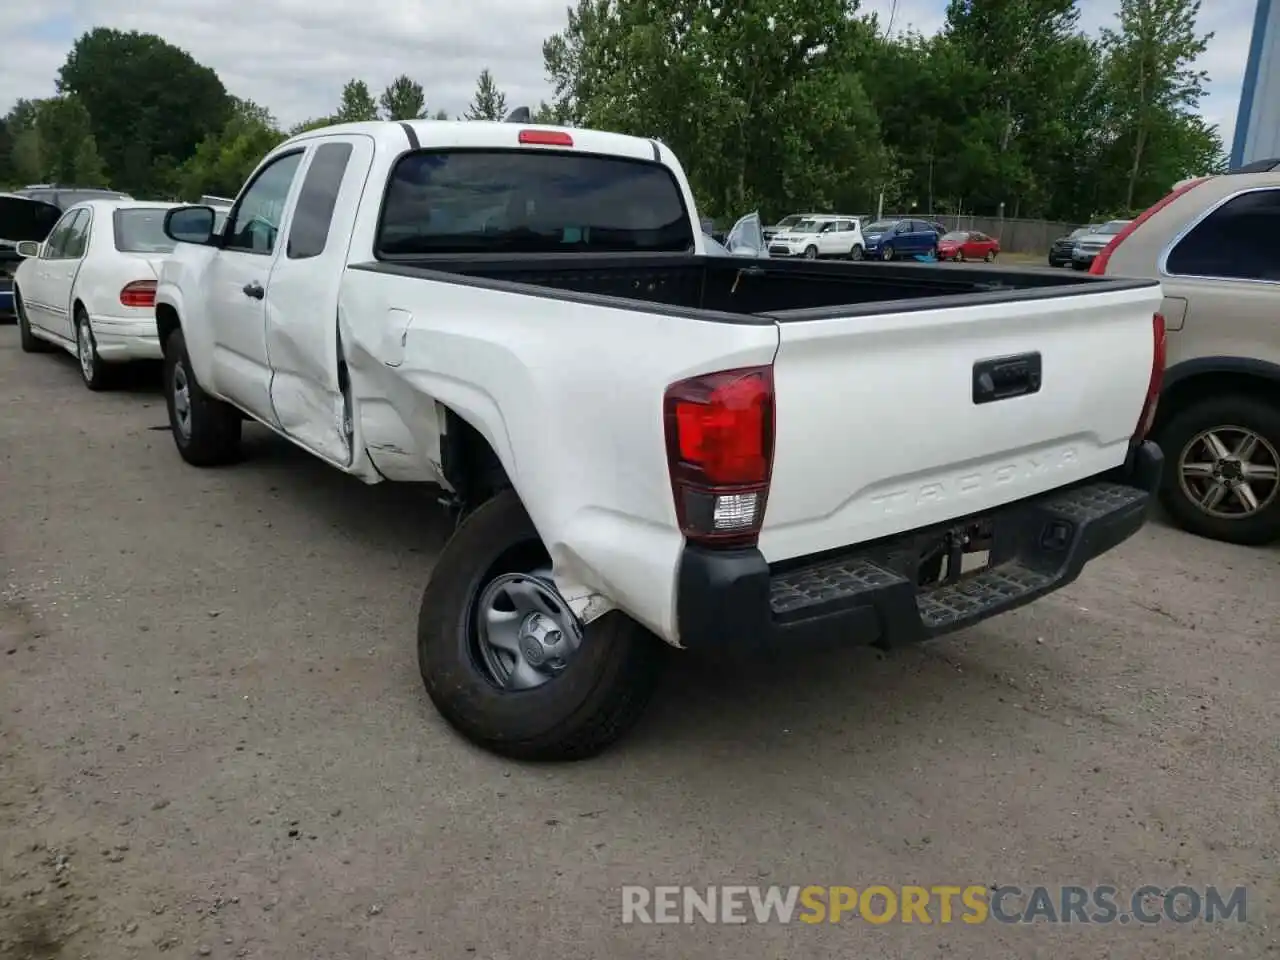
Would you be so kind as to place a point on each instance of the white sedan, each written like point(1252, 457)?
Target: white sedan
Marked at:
point(90, 287)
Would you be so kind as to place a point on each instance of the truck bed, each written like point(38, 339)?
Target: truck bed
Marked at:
point(752, 290)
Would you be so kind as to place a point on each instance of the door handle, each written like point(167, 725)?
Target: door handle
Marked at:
point(1006, 377)
point(254, 289)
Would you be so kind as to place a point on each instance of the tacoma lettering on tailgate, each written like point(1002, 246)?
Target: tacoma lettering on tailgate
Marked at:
point(971, 481)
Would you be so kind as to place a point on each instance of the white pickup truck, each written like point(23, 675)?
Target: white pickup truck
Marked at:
point(643, 440)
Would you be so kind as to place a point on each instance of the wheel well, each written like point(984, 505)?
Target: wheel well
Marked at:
point(1205, 386)
point(469, 463)
point(166, 323)
point(77, 306)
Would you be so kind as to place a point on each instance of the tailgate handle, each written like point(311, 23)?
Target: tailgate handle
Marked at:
point(1005, 377)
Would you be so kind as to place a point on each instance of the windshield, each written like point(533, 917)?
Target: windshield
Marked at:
point(141, 230)
point(880, 226)
point(807, 226)
point(1115, 226)
point(790, 221)
point(526, 201)
point(956, 235)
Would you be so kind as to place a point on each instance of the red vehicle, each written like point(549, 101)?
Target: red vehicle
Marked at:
point(967, 245)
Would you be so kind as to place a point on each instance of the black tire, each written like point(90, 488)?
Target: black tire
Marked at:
point(856, 252)
point(95, 374)
point(1250, 413)
point(576, 714)
point(959, 257)
point(30, 342)
point(886, 252)
point(990, 256)
point(213, 436)
point(811, 253)
point(1077, 265)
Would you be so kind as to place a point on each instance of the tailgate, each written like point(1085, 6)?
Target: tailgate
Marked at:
point(879, 431)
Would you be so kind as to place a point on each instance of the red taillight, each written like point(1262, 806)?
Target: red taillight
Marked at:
point(140, 293)
point(546, 138)
point(1159, 354)
point(1099, 266)
point(719, 430)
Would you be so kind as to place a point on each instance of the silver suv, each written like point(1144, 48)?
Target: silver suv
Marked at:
point(1212, 244)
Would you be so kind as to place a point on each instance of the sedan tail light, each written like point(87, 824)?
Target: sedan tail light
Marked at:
point(140, 293)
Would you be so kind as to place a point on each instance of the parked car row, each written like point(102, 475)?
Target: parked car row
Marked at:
point(1079, 248)
point(837, 236)
point(638, 448)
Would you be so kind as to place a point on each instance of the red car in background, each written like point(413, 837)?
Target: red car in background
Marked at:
point(967, 245)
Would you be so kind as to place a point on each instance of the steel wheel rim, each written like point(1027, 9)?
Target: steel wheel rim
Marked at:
point(182, 401)
point(84, 349)
point(1229, 472)
point(523, 632)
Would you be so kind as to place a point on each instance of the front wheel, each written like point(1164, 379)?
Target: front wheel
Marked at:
point(886, 253)
point(206, 431)
point(990, 257)
point(505, 661)
point(811, 253)
point(1222, 480)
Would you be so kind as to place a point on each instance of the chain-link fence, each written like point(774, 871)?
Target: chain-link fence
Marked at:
point(1015, 236)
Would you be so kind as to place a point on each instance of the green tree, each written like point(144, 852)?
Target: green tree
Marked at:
point(67, 147)
point(403, 100)
point(146, 100)
point(357, 103)
point(489, 103)
point(24, 154)
point(761, 99)
point(1152, 77)
point(224, 160)
point(313, 124)
point(441, 115)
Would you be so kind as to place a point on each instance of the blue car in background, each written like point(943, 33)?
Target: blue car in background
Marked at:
point(900, 239)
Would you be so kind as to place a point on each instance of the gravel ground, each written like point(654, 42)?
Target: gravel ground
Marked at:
point(213, 739)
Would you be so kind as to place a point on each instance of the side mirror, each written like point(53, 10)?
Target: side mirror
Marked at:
point(27, 249)
point(190, 224)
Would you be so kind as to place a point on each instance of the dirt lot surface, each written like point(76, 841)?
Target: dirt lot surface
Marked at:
point(214, 742)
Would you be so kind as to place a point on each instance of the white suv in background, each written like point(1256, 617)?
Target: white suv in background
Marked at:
point(829, 236)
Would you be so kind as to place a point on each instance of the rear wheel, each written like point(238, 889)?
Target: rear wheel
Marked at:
point(93, 371)
point(1222, 480)
point(30, 342)
point(855, 253)
point(505, 661)
point(206, 431)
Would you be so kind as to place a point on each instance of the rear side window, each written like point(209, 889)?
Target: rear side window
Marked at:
point(141, 230)
point(530, 201)
point(314, 213)
point(1235, 242)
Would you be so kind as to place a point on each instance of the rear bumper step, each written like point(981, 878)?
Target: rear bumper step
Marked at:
point(733, 601)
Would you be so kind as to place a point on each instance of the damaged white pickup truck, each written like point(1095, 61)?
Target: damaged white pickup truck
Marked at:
point(645, 441)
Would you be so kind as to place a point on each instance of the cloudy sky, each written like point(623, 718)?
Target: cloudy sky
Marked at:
point(294, 55)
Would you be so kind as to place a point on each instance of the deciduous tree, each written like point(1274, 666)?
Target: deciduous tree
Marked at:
point(357, 103)
point(403, 100)
point(146, 100)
